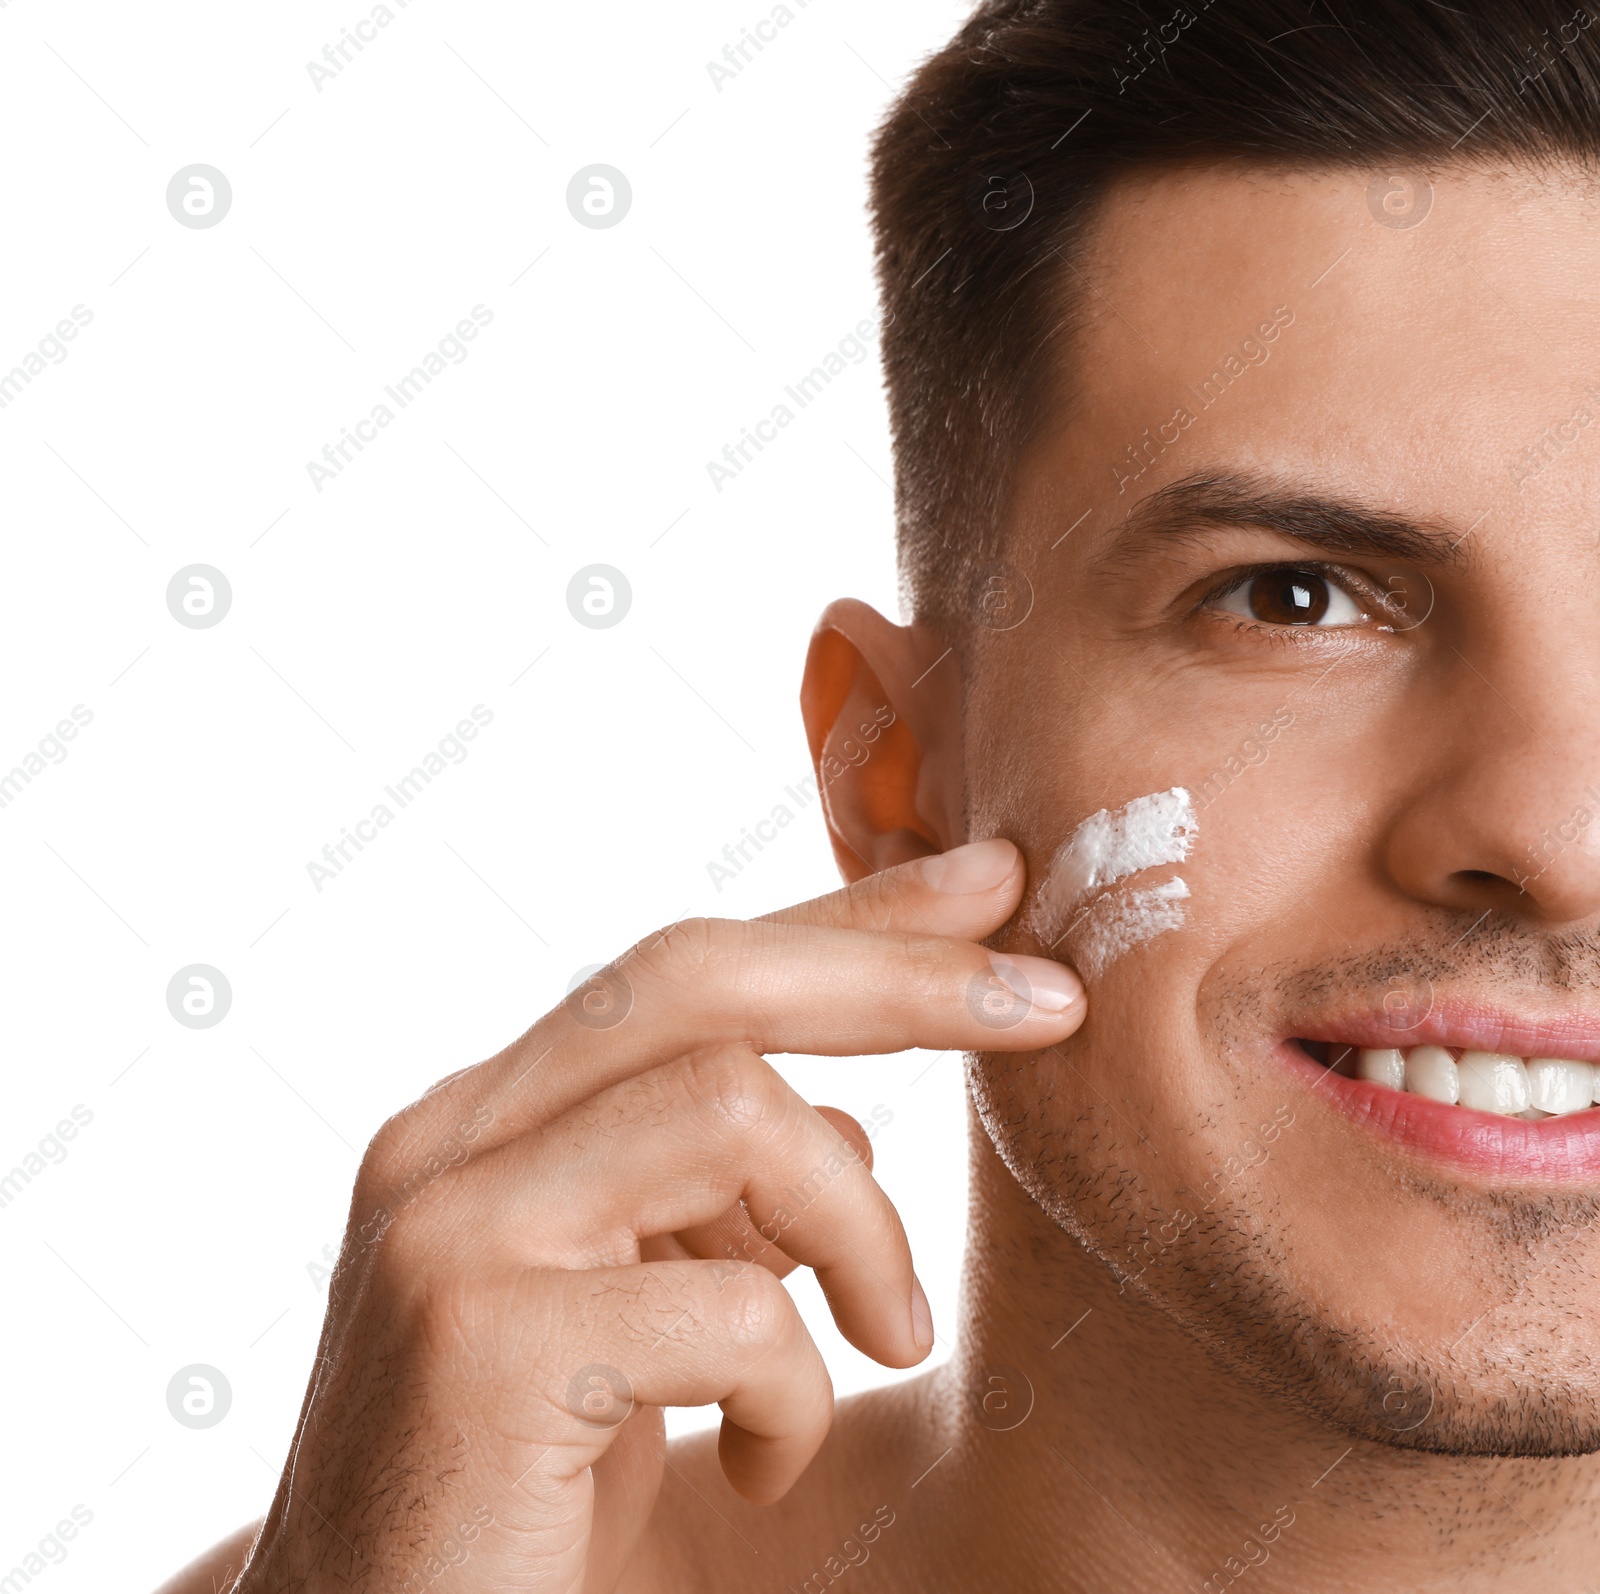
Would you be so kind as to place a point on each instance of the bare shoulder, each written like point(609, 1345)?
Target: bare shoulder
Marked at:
point(841, 1516)
point(216, 1568)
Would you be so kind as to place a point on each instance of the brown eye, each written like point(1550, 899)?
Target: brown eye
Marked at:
point(1288, 596)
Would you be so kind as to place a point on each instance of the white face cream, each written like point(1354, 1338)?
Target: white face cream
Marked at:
point(1117, 921)
point(1082, 900)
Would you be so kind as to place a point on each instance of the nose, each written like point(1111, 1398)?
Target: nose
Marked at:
point(1510, 818)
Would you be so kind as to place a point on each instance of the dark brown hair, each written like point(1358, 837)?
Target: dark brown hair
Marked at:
point(986, 172)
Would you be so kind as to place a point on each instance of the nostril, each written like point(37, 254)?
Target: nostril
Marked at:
point(1486, 888)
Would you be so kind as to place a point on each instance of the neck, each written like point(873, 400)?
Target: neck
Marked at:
point(1094, 1444)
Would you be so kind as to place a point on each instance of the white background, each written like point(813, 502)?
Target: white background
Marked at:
point(187, 1221)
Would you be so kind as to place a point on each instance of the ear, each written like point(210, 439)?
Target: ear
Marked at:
point(882, 706)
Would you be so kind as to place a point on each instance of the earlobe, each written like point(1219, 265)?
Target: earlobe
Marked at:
point(882, 712)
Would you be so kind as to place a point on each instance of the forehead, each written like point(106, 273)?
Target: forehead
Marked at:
point(1302, 330)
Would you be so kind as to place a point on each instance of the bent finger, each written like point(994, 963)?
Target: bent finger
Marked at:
point(684, 1334)
point(733, 1233)
point(677, 1146)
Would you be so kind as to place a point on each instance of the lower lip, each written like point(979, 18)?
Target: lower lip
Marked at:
point(1561, 1150)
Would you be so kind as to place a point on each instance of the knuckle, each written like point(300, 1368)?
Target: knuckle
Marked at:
point(401, 1247)
point(387, 1154)
point(869, 905)
point(404, 1175)
point(926, 960)
point(741, 1089)
point(750, 1307)
point(454, 1314)
point(681, 951)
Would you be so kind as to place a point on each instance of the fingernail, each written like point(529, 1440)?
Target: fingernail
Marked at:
point(1041, 982)
point(977, 866)
point(921, 1317)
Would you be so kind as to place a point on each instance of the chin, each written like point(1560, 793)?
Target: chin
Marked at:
point(1435, 1400)
point(1280, 1301)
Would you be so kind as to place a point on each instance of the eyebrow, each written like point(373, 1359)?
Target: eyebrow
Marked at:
point(1246, 499)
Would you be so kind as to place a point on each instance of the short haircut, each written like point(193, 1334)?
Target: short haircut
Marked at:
point(987, 170)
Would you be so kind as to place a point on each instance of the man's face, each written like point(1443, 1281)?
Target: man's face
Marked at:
point(1396, 834)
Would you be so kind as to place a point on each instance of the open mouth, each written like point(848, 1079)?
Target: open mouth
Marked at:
point(1481, 1088)
point(1533, 1088)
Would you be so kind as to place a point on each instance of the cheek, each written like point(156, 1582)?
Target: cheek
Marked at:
point(1091, 899)
point(1169, 1075)
point(1123, 921)
point(1283, 866)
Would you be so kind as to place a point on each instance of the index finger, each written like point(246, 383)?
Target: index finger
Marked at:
point(812, 986)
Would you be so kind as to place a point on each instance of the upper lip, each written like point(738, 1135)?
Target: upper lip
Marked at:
point(1463, 1023)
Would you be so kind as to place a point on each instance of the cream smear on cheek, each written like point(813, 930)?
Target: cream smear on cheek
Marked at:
point(1084, 900)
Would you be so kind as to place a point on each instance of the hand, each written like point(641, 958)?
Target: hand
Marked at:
point(550, 1247)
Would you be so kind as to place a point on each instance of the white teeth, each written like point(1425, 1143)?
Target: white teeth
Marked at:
point(1559, 1084)
point(1385, 1067)
point(1431, 1072)
point(1534, 1088)
point(1493, 1082)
